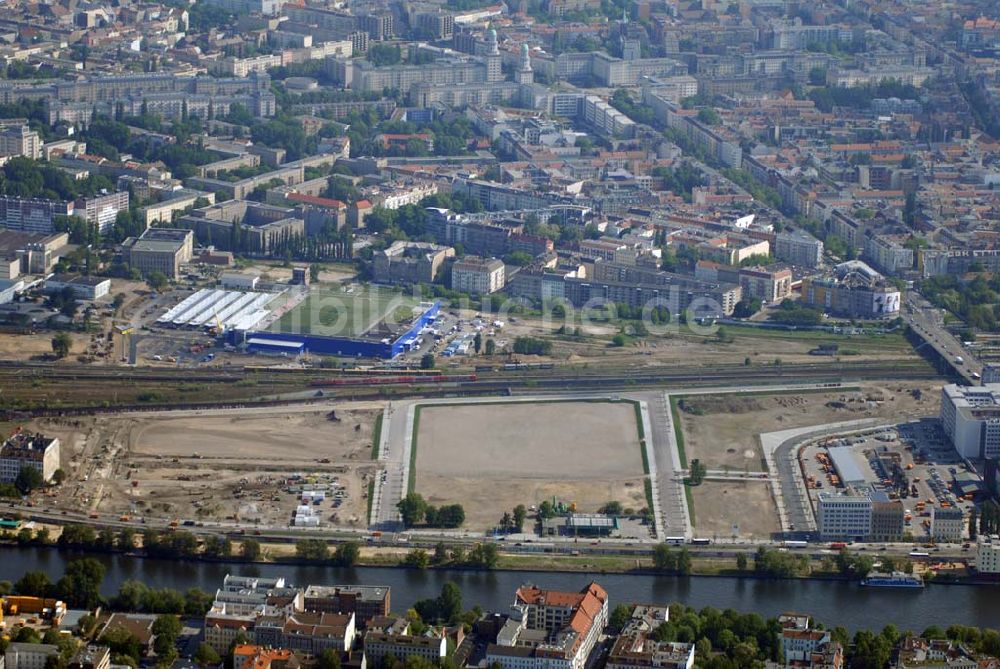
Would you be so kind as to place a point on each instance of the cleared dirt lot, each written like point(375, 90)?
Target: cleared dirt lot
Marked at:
point(723, 430)
point(493, 457)
point(236, 465)
point(720, 504)
point(277, 437)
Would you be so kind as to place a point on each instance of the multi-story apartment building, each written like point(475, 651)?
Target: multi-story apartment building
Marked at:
point(24, 449)
point(637, 648)
point(887, 254)
point(102, 210)
point(797, 247)
point(17, 139)
point(804, 647)
point(31, 215)
point(477, 276)
point(764, 284)
point(306, 631)
point(364, 601)
point(380, 644)
point(550, 629)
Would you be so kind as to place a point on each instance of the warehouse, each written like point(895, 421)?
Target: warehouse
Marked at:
point(849, 467)
point(225, 309)
point(384, 340)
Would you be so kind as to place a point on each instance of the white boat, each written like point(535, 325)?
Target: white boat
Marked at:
point(896, 579)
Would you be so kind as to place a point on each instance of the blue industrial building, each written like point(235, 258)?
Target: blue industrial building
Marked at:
point(354, 347)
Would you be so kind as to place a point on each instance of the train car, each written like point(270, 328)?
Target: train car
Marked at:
point(391, 380)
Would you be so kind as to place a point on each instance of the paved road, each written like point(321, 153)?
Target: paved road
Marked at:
point(669, 476)
point(928, 322)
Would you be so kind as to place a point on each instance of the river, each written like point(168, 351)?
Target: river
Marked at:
point(830, 602)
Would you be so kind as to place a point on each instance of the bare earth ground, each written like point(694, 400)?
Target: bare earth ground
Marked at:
point(490, 458)
point(217, 466)
point(727, 434)
point(719, 504)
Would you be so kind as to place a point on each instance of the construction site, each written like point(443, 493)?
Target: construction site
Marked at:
point(247, 466)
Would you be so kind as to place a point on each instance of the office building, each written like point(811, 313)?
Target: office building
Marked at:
point(411, 262)
point(24, 449)
point(988, 554)
point(159, 250)
point(970, 416)
point(947, 525)
point(477, 276)
point(83, 287)
point(844, 517)
point(20, 655)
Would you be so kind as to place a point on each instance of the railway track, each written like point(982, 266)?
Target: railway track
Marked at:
point(495, 383)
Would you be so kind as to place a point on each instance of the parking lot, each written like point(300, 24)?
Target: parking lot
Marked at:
point(912, 462)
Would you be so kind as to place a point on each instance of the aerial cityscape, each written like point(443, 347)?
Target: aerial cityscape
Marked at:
point(499, 334)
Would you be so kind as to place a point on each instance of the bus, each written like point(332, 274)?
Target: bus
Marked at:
point(674, 541)
point(701, 542)
point(919, 554)
point(796, 544)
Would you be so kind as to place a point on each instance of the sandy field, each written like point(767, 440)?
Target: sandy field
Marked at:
point(492, 457)
point(720, 504)
point(219, 465)
point(726, 434)
point(278, 437)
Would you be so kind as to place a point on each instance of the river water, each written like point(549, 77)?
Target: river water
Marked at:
point(830, 602)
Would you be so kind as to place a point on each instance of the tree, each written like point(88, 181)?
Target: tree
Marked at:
point(250, 550)
point(684, 562)
point(412, 508)
point(157, 280)
point(427, 361)
point(477, 342)
point(80, 586)
point(664, 558)
point(520, 513)
point(546, 510)
point(347, 554)
point(207, 657)
point(314, 270)
point(450, 602)
point(697, 472)
point(61, 344)
point(328, 659)
point(613, 508)
point(741, 561)
point(58, 476)
point(620, 616)
point(33, 584)
point(311, 549)
point(28, 479)
point(417, 559)
point(491, 347)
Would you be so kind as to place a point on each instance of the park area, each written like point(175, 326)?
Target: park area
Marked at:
point(346, 311)
point(490, 457)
